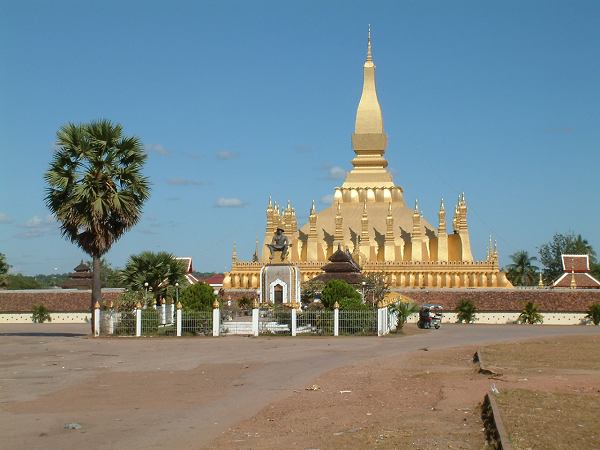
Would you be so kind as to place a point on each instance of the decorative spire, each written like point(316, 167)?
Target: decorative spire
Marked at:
point(541, 282)
point(255, 256)
point(234, 254)
point(442, 208)
point(573, 282)
point(270, 204)
point(442, 219)
point(369, 53)
point(313, 210)
point(416, 206)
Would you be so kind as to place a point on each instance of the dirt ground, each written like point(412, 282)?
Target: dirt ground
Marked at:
point(419, 390)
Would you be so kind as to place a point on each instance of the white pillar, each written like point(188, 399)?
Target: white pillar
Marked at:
point(163, 312)
point(138, 321)
point(178, 319)
point(294, 315)
point(336, 320)
point(255, 312)
point(97, 319)
point(382, 321)
point(216, 319)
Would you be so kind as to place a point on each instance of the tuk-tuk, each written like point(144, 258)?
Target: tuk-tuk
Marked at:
point(430, 315)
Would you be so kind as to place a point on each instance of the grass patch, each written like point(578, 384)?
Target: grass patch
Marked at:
point(551, 420)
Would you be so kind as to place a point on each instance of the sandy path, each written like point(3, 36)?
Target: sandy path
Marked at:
point(185, 393)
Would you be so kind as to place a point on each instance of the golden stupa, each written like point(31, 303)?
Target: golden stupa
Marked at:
point(370, 219)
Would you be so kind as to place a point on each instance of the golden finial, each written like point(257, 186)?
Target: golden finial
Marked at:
point(215, 304)
point(442, 208)
point(573, 282)
point(97, 305)
point(369, 53)
point(255, 304)
point(171, 301)
point(541, 282)
point(416, 205)
point(178, 306)
point(336, 305)
point(313, 210)
point(138, 305)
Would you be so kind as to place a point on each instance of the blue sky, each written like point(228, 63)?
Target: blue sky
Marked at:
point(500, 100)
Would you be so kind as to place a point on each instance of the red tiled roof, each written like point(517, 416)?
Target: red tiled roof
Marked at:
point(187, 260)
point(582, 281)
point(214, 279)
point(577, 263)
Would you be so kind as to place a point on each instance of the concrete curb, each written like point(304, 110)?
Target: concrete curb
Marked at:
point(495, 432)
point(483, 369)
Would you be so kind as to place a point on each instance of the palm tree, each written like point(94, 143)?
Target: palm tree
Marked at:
point(594, 313)
point(466, 311)
point(522, 271)
point(402, 310)
point(96, 188)
point(530, 314)
point(158, 270)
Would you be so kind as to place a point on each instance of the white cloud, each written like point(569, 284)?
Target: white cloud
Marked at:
point(158, 149)
point(229, 203)
point(34, 222)
point(336, 173)
point(226, 154)
point(37, 227)
point(327, 199)
point(176, 181)
point(5, 218)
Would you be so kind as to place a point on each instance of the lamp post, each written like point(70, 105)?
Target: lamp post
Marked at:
point(364, 283)
point(145, 293)
point(176, 292)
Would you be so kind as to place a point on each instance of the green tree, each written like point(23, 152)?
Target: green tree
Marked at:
point(551, 251)
point(197, 297)
point(18, 281)
point(522, 271)
point(310, 289)
point(402, 310)
point(375, 287)
point(336, 290)
point(96, 188)
point(530, 314)
point(466, 311)
point(4, 266)
point(159, 270)
point(594, 313)
point(40, 314)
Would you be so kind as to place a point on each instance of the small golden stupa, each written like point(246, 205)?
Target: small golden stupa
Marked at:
point(369, 218)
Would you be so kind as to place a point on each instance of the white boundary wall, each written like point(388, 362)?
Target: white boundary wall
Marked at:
point(71, 317)
point(501, 318)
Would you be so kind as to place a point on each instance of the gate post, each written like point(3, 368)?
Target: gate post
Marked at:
point(294, 317)
point(111, 318)
point(336, 319)
point(216, 318)
point(178, 325)
point(163, 311)
point(138, 319)
point(255, 312)
point(97, 319)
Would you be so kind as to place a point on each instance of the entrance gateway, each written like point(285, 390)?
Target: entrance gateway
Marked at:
point(280, 284)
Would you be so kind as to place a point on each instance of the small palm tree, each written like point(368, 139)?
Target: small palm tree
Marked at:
point(594, 313)
point(466, 311)
point(402, 310)
point(95, 188)
point(530, 314)
point(40, 314)
point(522, 271)
point(153, 272)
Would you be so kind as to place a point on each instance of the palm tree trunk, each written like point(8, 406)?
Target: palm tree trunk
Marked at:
point(96, 288)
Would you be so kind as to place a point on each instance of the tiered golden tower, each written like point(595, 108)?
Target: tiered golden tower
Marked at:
point(370, 219)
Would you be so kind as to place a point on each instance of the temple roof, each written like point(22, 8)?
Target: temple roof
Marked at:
point(577, 263)
point(341, 262)
point(82, 267)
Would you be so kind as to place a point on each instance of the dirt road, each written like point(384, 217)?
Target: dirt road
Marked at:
point(184, 393)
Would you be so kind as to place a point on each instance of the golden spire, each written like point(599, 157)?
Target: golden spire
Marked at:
point(442, 218)
point(573, 282)
point(541, 282)
point(369, 53)
point(234, 254)
point(416, 206)
point(313, 210)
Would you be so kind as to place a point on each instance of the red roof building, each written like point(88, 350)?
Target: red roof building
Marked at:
point(576, 273)
point(189, 269)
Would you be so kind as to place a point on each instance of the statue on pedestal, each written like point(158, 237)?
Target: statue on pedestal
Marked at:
point(279, 243)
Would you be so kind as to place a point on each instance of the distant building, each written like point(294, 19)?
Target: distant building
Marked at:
point(576, 273)
point(81, 278)
point(189, 269)
point(215, 281)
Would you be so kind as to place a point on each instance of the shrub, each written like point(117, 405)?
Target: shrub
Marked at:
point(197, 297)
point(402, 311)
point(466, 311)
point(530, 314)
point(245, 303)
point(40, 314)
point(594, 313)
point(338, 290)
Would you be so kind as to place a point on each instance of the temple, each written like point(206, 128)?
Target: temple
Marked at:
point(370, 219)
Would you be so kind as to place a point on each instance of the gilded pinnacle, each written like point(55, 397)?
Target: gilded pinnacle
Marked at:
point(369, 53)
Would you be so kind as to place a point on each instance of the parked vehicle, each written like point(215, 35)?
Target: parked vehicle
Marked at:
point(430, 315)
